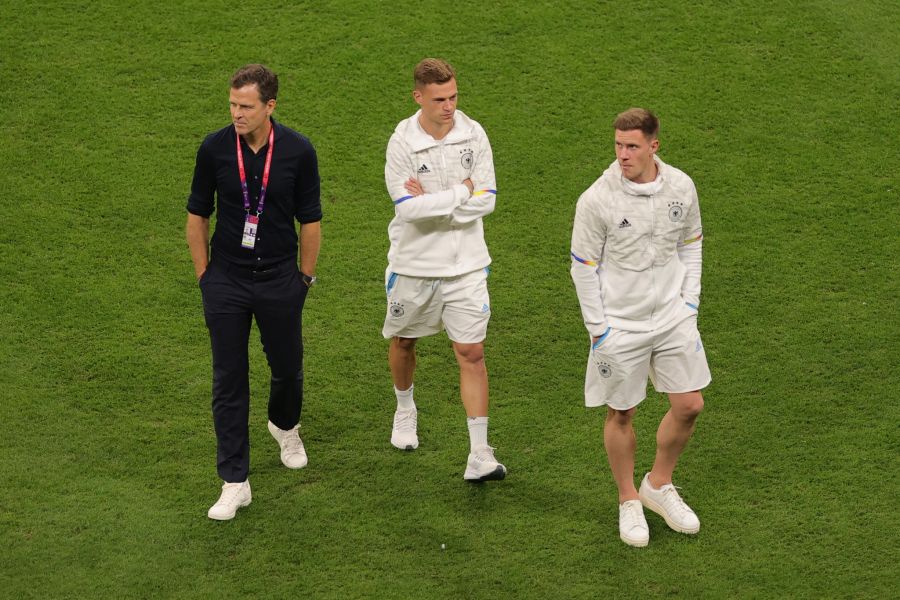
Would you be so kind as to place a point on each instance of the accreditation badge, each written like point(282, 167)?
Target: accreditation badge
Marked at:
point(248, 241)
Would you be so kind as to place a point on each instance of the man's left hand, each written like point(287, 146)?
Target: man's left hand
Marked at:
point(414, 187)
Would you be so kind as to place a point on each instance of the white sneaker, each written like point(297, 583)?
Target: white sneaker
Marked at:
point(293, 454)
point(234, 496)
point(632, 525)
point(668, 504)
point(403, 435)
point(482, 466)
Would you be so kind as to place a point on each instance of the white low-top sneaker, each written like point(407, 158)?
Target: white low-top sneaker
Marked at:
point(667, 503)
point(632, 525)
point(293, 454)
point(482, 466)
point(234, 496)
point(403, 434)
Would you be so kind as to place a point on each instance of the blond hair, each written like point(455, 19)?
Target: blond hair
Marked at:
point(432, 70)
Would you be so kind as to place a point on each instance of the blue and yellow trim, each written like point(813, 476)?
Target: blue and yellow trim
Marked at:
point(584, 261)
point(692, 240)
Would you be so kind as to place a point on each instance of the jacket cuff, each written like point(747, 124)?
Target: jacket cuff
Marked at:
point(597, 329)
point(461, 192)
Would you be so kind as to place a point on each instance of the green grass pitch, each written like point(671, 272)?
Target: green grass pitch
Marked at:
point(784, 113)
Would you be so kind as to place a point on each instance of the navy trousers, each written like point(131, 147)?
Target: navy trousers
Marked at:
point(232, 296)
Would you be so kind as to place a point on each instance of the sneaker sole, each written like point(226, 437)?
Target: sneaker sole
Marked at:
point(648, 503)
point(495, 475)
point(408, 447)
point(233, 515)
point(633, 542)
point(305, 462)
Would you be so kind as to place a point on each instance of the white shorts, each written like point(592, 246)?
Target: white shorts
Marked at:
point(418, 307)
point(618, 367)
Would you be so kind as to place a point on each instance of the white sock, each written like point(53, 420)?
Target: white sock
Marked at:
point(405, 398)
point(477, 432)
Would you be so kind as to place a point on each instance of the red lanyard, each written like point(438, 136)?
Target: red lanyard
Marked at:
point(265, 181)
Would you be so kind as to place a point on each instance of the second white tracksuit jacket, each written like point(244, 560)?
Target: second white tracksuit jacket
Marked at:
point(439, 234)
point(636, 251)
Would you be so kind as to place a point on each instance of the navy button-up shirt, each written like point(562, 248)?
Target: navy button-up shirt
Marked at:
point(293, 193)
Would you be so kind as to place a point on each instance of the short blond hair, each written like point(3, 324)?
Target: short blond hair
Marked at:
point(638, 118)
point(432, 70)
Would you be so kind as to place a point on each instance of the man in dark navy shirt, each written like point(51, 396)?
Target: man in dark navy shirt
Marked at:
point(261, 176)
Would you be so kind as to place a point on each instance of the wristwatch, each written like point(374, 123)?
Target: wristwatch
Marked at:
point(309, 280)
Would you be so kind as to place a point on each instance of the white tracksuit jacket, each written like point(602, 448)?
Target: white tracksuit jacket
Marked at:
point(636, 251)
point(439, 234)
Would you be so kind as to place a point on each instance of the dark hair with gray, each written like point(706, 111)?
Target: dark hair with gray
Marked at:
point(266, 81)
point(638, 118)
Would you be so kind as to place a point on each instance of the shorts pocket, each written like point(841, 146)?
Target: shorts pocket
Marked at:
point(390, 282)
point(602, 362)
point(600, 341)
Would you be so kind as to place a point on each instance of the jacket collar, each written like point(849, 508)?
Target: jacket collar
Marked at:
point(640, 189)
point(418, 139)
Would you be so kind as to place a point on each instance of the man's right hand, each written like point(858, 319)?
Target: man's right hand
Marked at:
point(468, 183)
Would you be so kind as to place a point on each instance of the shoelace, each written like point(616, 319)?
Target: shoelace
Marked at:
point(673, 499)
point(633, 513)
point(405, 421)
point(291, 443)
point(485, 454)
point(230, 494)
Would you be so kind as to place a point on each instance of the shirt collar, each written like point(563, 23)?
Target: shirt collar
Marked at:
point(278, 127)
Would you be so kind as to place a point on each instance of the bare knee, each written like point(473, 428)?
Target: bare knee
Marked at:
point(619, 418)
point(404, 344)
point(469, 354)
point(687, 406)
